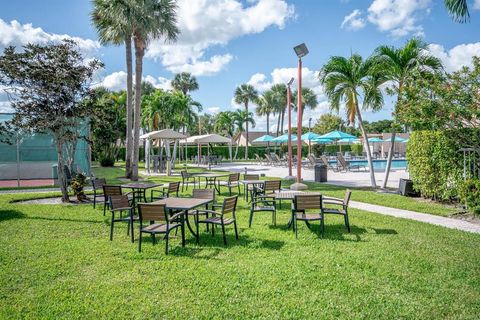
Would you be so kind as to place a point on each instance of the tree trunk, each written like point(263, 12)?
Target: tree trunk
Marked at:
point(236, 148)
point(283, 118)
point(278, 123)
point(61, 170)
point(246, 132)
point(390, 157)
point(139, 52)
point(268, 130)
point(367, 146)
point(129, 109)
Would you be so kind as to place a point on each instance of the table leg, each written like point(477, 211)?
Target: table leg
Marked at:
point(216, 186)
point(189, 225)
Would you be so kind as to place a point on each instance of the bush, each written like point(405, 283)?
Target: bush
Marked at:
point(106, 161)
point(434, 164)
point(469, 193)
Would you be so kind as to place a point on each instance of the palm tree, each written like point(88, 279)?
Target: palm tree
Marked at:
point(266, 106)
point(309, 99)
point(347, 80)
point(244, 94)
point(184, 82)
point(280, 92)
point(240, 118)
point(112, 21)
point(458, 9)
point(225, 124)
point(152, 19)
point(400, 65)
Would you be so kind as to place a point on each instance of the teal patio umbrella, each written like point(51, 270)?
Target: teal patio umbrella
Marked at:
point(284, 138)
point(347, 140)
point(265, 138)
point(309, 136)
point(397, 139)
point(375, 140)
point(337, 135)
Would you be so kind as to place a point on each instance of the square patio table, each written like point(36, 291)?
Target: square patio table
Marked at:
point(211, 179)
point(246, 183)
point(140, 188)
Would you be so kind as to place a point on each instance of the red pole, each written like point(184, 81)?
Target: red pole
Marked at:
point(299, 123)
point(289, 106)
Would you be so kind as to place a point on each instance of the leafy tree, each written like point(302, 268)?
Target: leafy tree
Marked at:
point(113, 21)
point(458, 9)
point(399, 65)
point(206, 124)
point(147, 88)
point(152, 19)
point(349, 80)
point(46, 84)
point(244, 94)
point(279, 91)
point(327, 123)
point(309, 99)
point(266, 106)
point(240, 118)
point(382, 126)
point(185, 82)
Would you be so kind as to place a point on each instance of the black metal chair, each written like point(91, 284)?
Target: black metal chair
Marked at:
point(232, 182)
point(154, 212)
point(263, 204)
point(120, 204)
point(166, 192)
point(341, 207)
point(109, 191)
point(187, 178)
point(97, 185)
point(303, 205)
point(268, 187)
point(226, 216)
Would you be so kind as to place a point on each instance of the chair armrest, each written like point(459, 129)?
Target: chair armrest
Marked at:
point(210, 211)
point(121, 209)
point(175, 216)
point(156, 190)
point(217, 205)
point(333, 199)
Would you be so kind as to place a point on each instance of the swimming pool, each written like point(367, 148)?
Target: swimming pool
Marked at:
point(378, 164)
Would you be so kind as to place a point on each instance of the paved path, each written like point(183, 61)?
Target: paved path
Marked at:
point(417, 216)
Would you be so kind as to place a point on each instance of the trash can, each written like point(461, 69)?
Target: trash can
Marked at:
point(405, 187)
point(55, 174)
point(320, 173)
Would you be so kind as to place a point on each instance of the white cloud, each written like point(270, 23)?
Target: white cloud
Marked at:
point(457, 57)
point(213, 110)
point(118, 81)
point(399, 17)
point(17, 34)
point(476, 5)
point(208, 23)
point(353, 21)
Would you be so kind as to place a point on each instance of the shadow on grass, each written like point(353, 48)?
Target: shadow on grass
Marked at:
point(11, 214)
point(63, 220)
point(332, 231)
point(385, 231)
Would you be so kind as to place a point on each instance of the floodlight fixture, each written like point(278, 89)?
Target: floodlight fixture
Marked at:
point(301, 50)
point(289, 83)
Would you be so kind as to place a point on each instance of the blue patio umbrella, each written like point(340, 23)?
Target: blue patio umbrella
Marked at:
point(322, 140)
point(347, 140)
point(265, 138)
point(375, 139)
point(397, 139)
point(284, 138)
point(337, 135)
point(310, 136)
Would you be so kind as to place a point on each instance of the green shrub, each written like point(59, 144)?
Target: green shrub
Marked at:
point(106, 161)
point(434, 164)
point(469, 193)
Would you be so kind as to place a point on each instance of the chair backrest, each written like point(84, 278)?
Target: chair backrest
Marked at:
point(277, 158)
point(233, 177)
point(152, 212)
point(251, 177)
point(230, 205)
point(98, 183)
point(109, 191)
point(119, 201)
point(325, 161)
point(342, 161)
point(203, 194)
point(184, 174)
point(257, 157)
point(312, 160)
point(304, 202)
point(346, 198)
point(272, 185)
point(173, 187)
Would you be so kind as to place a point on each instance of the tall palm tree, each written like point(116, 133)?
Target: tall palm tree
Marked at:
point(112, 19)
point(225, 124)
point(241, 119)
point(400, 65)
point(184, 82)
point(458, 9)
point(280, 92)
point(244, 94)
point(309, 99)
point(266, 106)
point(348, 80)
point(152, 19)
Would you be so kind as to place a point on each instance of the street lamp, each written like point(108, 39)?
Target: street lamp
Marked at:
point(289, 107)
point(301, 51)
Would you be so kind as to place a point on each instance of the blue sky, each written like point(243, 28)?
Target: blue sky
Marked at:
point(230, 42)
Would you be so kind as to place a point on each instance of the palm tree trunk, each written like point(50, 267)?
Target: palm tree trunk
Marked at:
point(246, 132)
point(268, 129)
point(129, 113)
point(389, 159)
point(139, 52)
point(283, 118)
point(278, 122)
point(367, 146)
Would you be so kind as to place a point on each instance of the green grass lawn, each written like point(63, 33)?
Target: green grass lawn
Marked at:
point(57, 262)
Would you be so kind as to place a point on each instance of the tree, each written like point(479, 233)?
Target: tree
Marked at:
point(381, 126)
point(399, 65)
point(45, 85)
point(348, 80)
point(458, 9)
point(184, 82)
point(240, 118)
point(266, 106)
point(280, 92)
point(309, 99)
point(113, 21)
point(327, 123)
point(225, 124)
point(244, 94)
point(152, 19)
point(205, 124)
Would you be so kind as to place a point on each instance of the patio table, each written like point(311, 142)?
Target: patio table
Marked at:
point(211, 179)
point(184, 205)
point(246, 183)
point(139, 189)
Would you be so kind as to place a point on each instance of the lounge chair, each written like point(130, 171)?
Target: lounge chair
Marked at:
point(327, 164)
point(344, 165)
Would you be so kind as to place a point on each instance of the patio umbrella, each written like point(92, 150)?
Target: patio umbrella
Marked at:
point(322, 140)
point(265, 138)
point(284, 138)
point(310, 136)
point(337, 135)
point(397, 139)
point(374, 140)
point(347, 140)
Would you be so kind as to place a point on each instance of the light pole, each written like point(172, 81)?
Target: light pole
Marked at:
point(289, 107)
point(301, 51)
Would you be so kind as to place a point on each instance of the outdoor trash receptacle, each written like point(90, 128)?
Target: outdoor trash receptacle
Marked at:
point(405, 187)
point(320, 173)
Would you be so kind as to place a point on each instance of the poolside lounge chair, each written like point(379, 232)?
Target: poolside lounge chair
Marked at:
point(340, 206)
point(327, 164)
point(344, 165)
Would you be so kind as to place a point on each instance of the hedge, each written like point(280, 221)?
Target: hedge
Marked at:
point(434, 164)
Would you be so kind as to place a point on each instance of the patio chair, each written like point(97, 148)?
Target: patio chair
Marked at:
point(232, 182)
point(346, 166)
point(110, 191)
point(279, 161)
point(249, 188)
point(308, 208)
point(258, 159)
point(97, 186)
point(204, 194)
point(269, 187)
point(166, 192)
point(187, 178)
point(261, 203)
point(118, 205)
point(159, 223)
point(224, 217)
point(341, 207)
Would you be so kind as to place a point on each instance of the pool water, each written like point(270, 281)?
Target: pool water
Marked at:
point(378, 164)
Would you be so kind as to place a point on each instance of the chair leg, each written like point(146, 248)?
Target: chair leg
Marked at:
point(230, 190)
point(347, 222)
point(166, 242)
point(111, 226)
point(94, 198)
point(196, 227)
point(182, 226)
point(224, 236)
point(213, 230)
point(236, 230)
point(296, 226)
point(140, 242)
point(154, 241)
point(250, 219)
point(131, 226)
point(104, 207)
